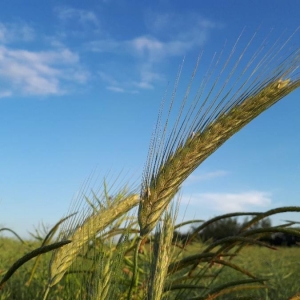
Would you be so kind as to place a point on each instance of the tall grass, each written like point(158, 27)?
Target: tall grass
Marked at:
point(115, 252)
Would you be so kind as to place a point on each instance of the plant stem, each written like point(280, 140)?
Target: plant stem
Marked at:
point(135, 267)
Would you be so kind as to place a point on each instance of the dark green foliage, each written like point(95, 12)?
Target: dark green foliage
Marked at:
point(219, 229)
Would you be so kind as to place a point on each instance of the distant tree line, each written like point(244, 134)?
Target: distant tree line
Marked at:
point(224, 228)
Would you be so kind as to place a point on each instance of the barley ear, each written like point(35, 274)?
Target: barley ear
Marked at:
point(201, 133)
point(162, 255)
point(63, 259)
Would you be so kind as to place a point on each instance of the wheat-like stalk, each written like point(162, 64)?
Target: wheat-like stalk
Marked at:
point(108, 261)
point(203, 130)
point(62, 260)
point(103, 275)
point(162, 254)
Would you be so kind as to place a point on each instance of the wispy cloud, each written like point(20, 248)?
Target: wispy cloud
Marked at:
point(115, 85)
point(194, 178)
point(177, 33)
point(5, 94)
point(115, 89)
point(107, 78)
point(230, 202)
point(35, 72)
point(148, 53)
point(11, 32)
point(40, 73)
point(185, 32)
point(170, 23)
point(142, 57)
point(83, 16)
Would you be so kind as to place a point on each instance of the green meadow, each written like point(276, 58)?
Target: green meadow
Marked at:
point(280, 268)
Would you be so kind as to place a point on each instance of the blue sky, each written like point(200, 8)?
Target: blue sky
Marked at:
point(81, 84)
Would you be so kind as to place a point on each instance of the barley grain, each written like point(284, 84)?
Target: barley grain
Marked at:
point(162, 256)
point(63, 259)
point(204, 132)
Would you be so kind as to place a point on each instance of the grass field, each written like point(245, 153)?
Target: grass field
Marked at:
point(280, 267)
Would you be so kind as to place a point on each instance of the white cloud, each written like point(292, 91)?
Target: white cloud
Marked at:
point(194, 178)
point(147, 77)
point(143, 85)
point(82, 15)
point(148, 46)
point(183, 24)
point(154, 50)
point(181, 32)
point(230, 202)
point(115, 89)
point(62, 56)
point(80, 76)
point(40, 73)
point(107, 78)
point(108, 45)
point(148, 54)
point(16, 32)
point(35, 72)
point(114, 85)
point(4, 94)
point(170, 35)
